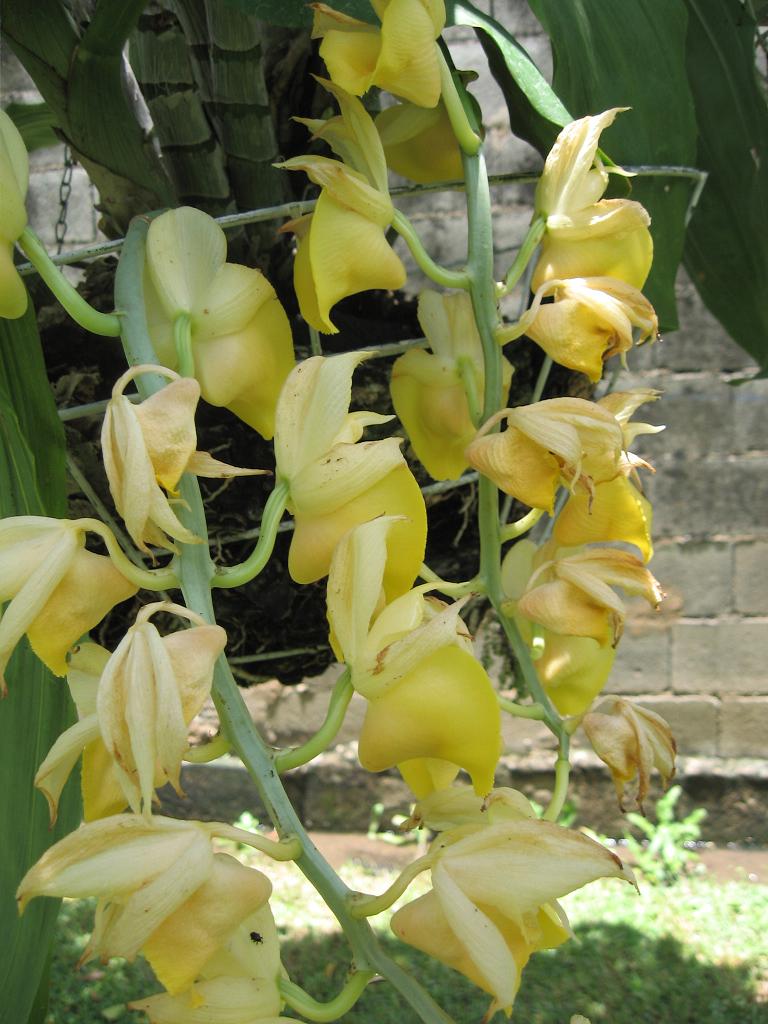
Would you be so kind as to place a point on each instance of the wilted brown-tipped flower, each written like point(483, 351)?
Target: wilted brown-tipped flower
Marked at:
point(632, 741)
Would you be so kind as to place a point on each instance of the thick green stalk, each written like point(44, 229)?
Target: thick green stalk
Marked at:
point(196, 572)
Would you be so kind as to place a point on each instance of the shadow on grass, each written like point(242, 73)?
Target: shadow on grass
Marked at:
point(612, 974)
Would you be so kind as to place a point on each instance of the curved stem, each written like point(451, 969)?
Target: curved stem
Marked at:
point(441, 275)
point(467, 373)
point(512, 530)
point(81, 311)
point(207, 752)
point(368, 906)
point(525, 253)
point(534, 711)
point(288, 848)
point(147, 579)
point(334, 718)
point(182, 338)
point(473, 586)
point(541, 380)
point(303, 1003)
point(468, 139)
point(236, 575)
point(562, 774)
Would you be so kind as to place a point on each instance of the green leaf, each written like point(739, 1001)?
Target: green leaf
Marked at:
point(38, 706)
point(602, 61)
point(536, 113)
point(297, 14)
point(726, 252)
point(35, 122)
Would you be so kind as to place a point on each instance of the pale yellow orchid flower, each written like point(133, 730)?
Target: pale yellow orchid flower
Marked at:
point(149, 446)
point(420, 143)
point(160, 889)
point(459, 805)
point(428, 390)
point(56, 588)
point(400, 56)
point(336, 480)
point(150, 690)
point(590, 320)
point(632, 741)
point(241, 339)
point(587, 236)
point(494, 896)
point(429, 699)
point(14, 179)
point(342, 248)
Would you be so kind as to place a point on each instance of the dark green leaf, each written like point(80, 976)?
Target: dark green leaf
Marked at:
point(726, 251)
point(297, 13)
point(38, 706)
point(602, 60)
point(536, 113)
point(35, 122)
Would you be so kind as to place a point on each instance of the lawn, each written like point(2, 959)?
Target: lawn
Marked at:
point(695, 953)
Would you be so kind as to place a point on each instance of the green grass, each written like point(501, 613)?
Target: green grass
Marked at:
point(692, 954)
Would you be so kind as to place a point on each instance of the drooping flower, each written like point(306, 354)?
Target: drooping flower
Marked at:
point(14, 178)
point(590, 320)
point(419, 143)
point(342, 248)
point(428, 390)
point(632, 741)
point(336, 480)
point(587, 236)
point(494, 896)
point(429, 699)
point(241, 339)
point(150, 446)
point(150, 690)
point(160, 889)
point(400, 56)
point(57, 589)
point(459, 805)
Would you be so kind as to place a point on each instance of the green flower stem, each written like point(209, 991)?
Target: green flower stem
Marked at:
point(244, 572)
point(534, 711)
point(456, 590)
point(440, 275)
point(525, 253)
point(196, 573)
point(288, 848)
point(147, 579)
point(207, 752)
point(182, 337)
point(315, 344)
point(562, 774)
point(341, 695)
point(541, 380)
point(512, 530)
point(466, 137)
point(81, 311)
point(368, 906)
point(466, 370)
point(303, 1003)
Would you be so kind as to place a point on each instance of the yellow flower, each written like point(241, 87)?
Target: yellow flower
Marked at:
point(459, 805)
point(14, 178)
point(632, 741)
point(560, 440)
point(150, 690)
point(400, 56)
point(588, 236)
point(428, 390)
point(160, 889)
point(429, 699)
point(420, 143)
point(615, 511)
point(572, 669)
point(337, 481)
point(590, 320)
point(494, 895)
point(153, 444)
point(342, 248)
point(57, 589)
point(241, 338)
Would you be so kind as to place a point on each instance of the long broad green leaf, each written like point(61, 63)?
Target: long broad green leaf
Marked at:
point(603, 56)
point(35, 122)
point(37, 707)
point(726, 252)
point(297, 13)
point(536, 113)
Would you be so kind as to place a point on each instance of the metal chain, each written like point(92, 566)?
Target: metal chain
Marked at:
point(65, 191)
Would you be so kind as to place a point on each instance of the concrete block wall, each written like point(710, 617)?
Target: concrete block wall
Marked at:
point(700, 661)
